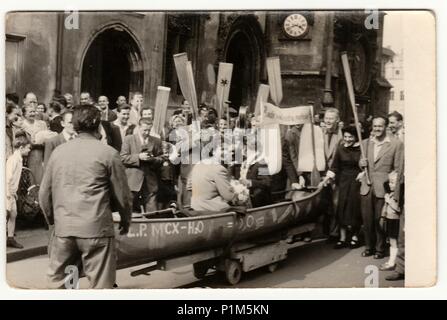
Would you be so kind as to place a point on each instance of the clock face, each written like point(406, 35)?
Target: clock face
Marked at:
point(360, 69)
point(295, 25)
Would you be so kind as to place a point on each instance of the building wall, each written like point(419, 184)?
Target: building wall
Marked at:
point(39, 50)
point(302, 60)
point(147, 29)
point(394, 73)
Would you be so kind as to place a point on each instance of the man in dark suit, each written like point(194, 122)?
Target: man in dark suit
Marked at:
point(55, 118)
point(384, 155)
point(141, 154)
point(110, 135)
point(106, 113)
point(67, 134)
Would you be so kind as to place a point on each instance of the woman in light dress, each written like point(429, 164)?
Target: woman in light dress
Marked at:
point(33, 126)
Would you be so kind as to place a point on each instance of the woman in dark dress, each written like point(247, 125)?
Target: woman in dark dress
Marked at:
point(345, 170)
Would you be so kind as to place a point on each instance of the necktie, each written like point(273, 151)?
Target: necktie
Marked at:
point(329, 138)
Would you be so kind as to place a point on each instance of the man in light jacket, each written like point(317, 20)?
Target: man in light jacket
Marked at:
point(83, 184)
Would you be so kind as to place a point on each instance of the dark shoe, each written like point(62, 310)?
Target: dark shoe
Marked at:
point(12, 243)
point(395, 276)
point(379, 255)
point(331, 239)
point(367, 253)
point(340, 245)
point(354, 244)
point(307, 239)
point(387, 267)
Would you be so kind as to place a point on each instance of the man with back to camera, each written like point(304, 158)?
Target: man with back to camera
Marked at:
point(84, 183)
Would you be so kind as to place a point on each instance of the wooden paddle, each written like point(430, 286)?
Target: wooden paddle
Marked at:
point(347, 72)
point(263, 95)
point(315, 176)
point(272, 140)
point(275, 83)
point(186, 81)
point(161, 107)
point(192, 88)
point(223, 86)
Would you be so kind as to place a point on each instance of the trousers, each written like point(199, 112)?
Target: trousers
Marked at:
point(97, 255)
point(371, 211)
point(400, 259)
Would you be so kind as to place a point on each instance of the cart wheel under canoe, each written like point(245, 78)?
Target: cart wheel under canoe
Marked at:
point(233, 271)
point(272, 267)
point(200, 269)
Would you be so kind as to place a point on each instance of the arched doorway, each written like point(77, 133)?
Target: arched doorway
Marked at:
point(112, 66)
point(245, 49)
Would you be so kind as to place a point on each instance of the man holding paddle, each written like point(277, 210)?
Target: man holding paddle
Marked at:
point(332, 137)
point(384, 154)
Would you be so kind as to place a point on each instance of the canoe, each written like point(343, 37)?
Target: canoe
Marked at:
point(153, 239)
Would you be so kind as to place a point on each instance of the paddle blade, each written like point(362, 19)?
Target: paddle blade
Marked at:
point(192, 88)
point(275, 83)
point(223, 84)
point(186, 80)
point(161, 107)
point(263, 95)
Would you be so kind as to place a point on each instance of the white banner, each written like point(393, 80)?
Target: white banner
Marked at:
point(271, 114)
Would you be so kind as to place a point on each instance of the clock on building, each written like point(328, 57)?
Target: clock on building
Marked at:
point(358, 56)
point(295, 26)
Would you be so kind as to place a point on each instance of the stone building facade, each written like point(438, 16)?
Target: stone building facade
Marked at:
point(118, 53)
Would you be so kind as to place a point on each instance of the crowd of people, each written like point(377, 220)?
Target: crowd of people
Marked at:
point(90, 160)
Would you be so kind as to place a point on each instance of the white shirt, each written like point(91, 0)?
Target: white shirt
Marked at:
point(142, 139)
point(34, 128)
point(68, 137)
point(14, 167)
point(134, 116)
point(122, 128)
point(378, 145)
point(103, 134)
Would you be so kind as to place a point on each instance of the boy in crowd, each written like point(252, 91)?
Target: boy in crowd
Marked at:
point(14, 165)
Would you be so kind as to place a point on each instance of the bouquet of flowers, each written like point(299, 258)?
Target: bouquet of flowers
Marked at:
point(242, 194)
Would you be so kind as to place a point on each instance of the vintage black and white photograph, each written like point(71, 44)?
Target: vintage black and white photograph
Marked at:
point(207, 149)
